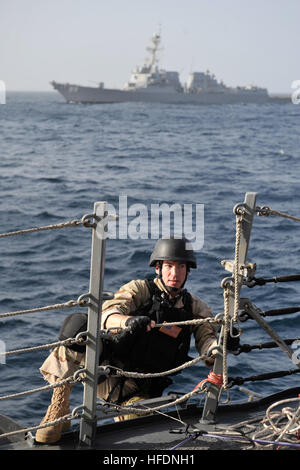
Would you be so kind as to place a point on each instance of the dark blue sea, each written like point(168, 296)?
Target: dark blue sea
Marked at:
point(57, 159)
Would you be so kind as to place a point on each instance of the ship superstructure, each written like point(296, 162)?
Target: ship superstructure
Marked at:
point(150, 83)
point(151, 77)
point(199, 82)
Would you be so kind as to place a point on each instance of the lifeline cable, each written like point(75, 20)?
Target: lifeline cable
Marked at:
point(237, 438)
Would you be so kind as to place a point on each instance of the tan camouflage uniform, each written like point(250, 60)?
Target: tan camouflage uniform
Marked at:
point(63, 362)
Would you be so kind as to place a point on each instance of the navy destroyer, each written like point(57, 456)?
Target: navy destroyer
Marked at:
point(151, 84)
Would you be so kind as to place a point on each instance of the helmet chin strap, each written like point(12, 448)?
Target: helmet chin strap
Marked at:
point(171, 288)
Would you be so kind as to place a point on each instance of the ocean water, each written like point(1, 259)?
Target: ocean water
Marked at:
point(57, 159)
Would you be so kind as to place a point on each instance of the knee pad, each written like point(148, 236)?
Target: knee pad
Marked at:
point(73, 324)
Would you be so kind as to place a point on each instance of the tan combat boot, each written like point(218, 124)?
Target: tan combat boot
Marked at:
point(60, 406)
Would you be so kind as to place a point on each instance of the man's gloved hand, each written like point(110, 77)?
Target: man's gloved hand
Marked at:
point(211, 359)
point(138, 324)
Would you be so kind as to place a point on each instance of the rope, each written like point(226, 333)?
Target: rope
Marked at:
point(139, 375)
point(73, 223)
point(275, 425)
point(213, 378)
point(65, 342)
point(69, 341)
point(266, 211)
point(68, 304)
point(225, 337)
point(239, 219)
point(183, 398)
point(196, 321)
point(65, 418)
point(272, 427)
point(235, 437)
point(69, 380)
point(288, 413)
point(118, 407)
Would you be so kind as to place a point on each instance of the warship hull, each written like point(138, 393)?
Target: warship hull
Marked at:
point(98, 95)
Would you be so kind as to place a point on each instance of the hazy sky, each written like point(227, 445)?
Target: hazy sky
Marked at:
point(88, 41)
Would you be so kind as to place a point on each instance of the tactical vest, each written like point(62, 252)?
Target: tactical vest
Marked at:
point(162, 348)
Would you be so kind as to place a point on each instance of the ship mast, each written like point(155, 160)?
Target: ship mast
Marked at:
point(153, 50)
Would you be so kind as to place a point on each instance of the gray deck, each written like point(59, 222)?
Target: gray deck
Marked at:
point(157, 432)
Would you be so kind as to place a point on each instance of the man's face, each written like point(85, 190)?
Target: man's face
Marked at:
point(173, 273)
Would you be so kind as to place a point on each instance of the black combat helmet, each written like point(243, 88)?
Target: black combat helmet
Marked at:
point(173, 249)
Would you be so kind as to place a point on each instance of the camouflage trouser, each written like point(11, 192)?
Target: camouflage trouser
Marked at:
point(63, 362)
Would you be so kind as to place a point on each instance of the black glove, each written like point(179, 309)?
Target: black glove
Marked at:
point(121, 343)
point(137, 324)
